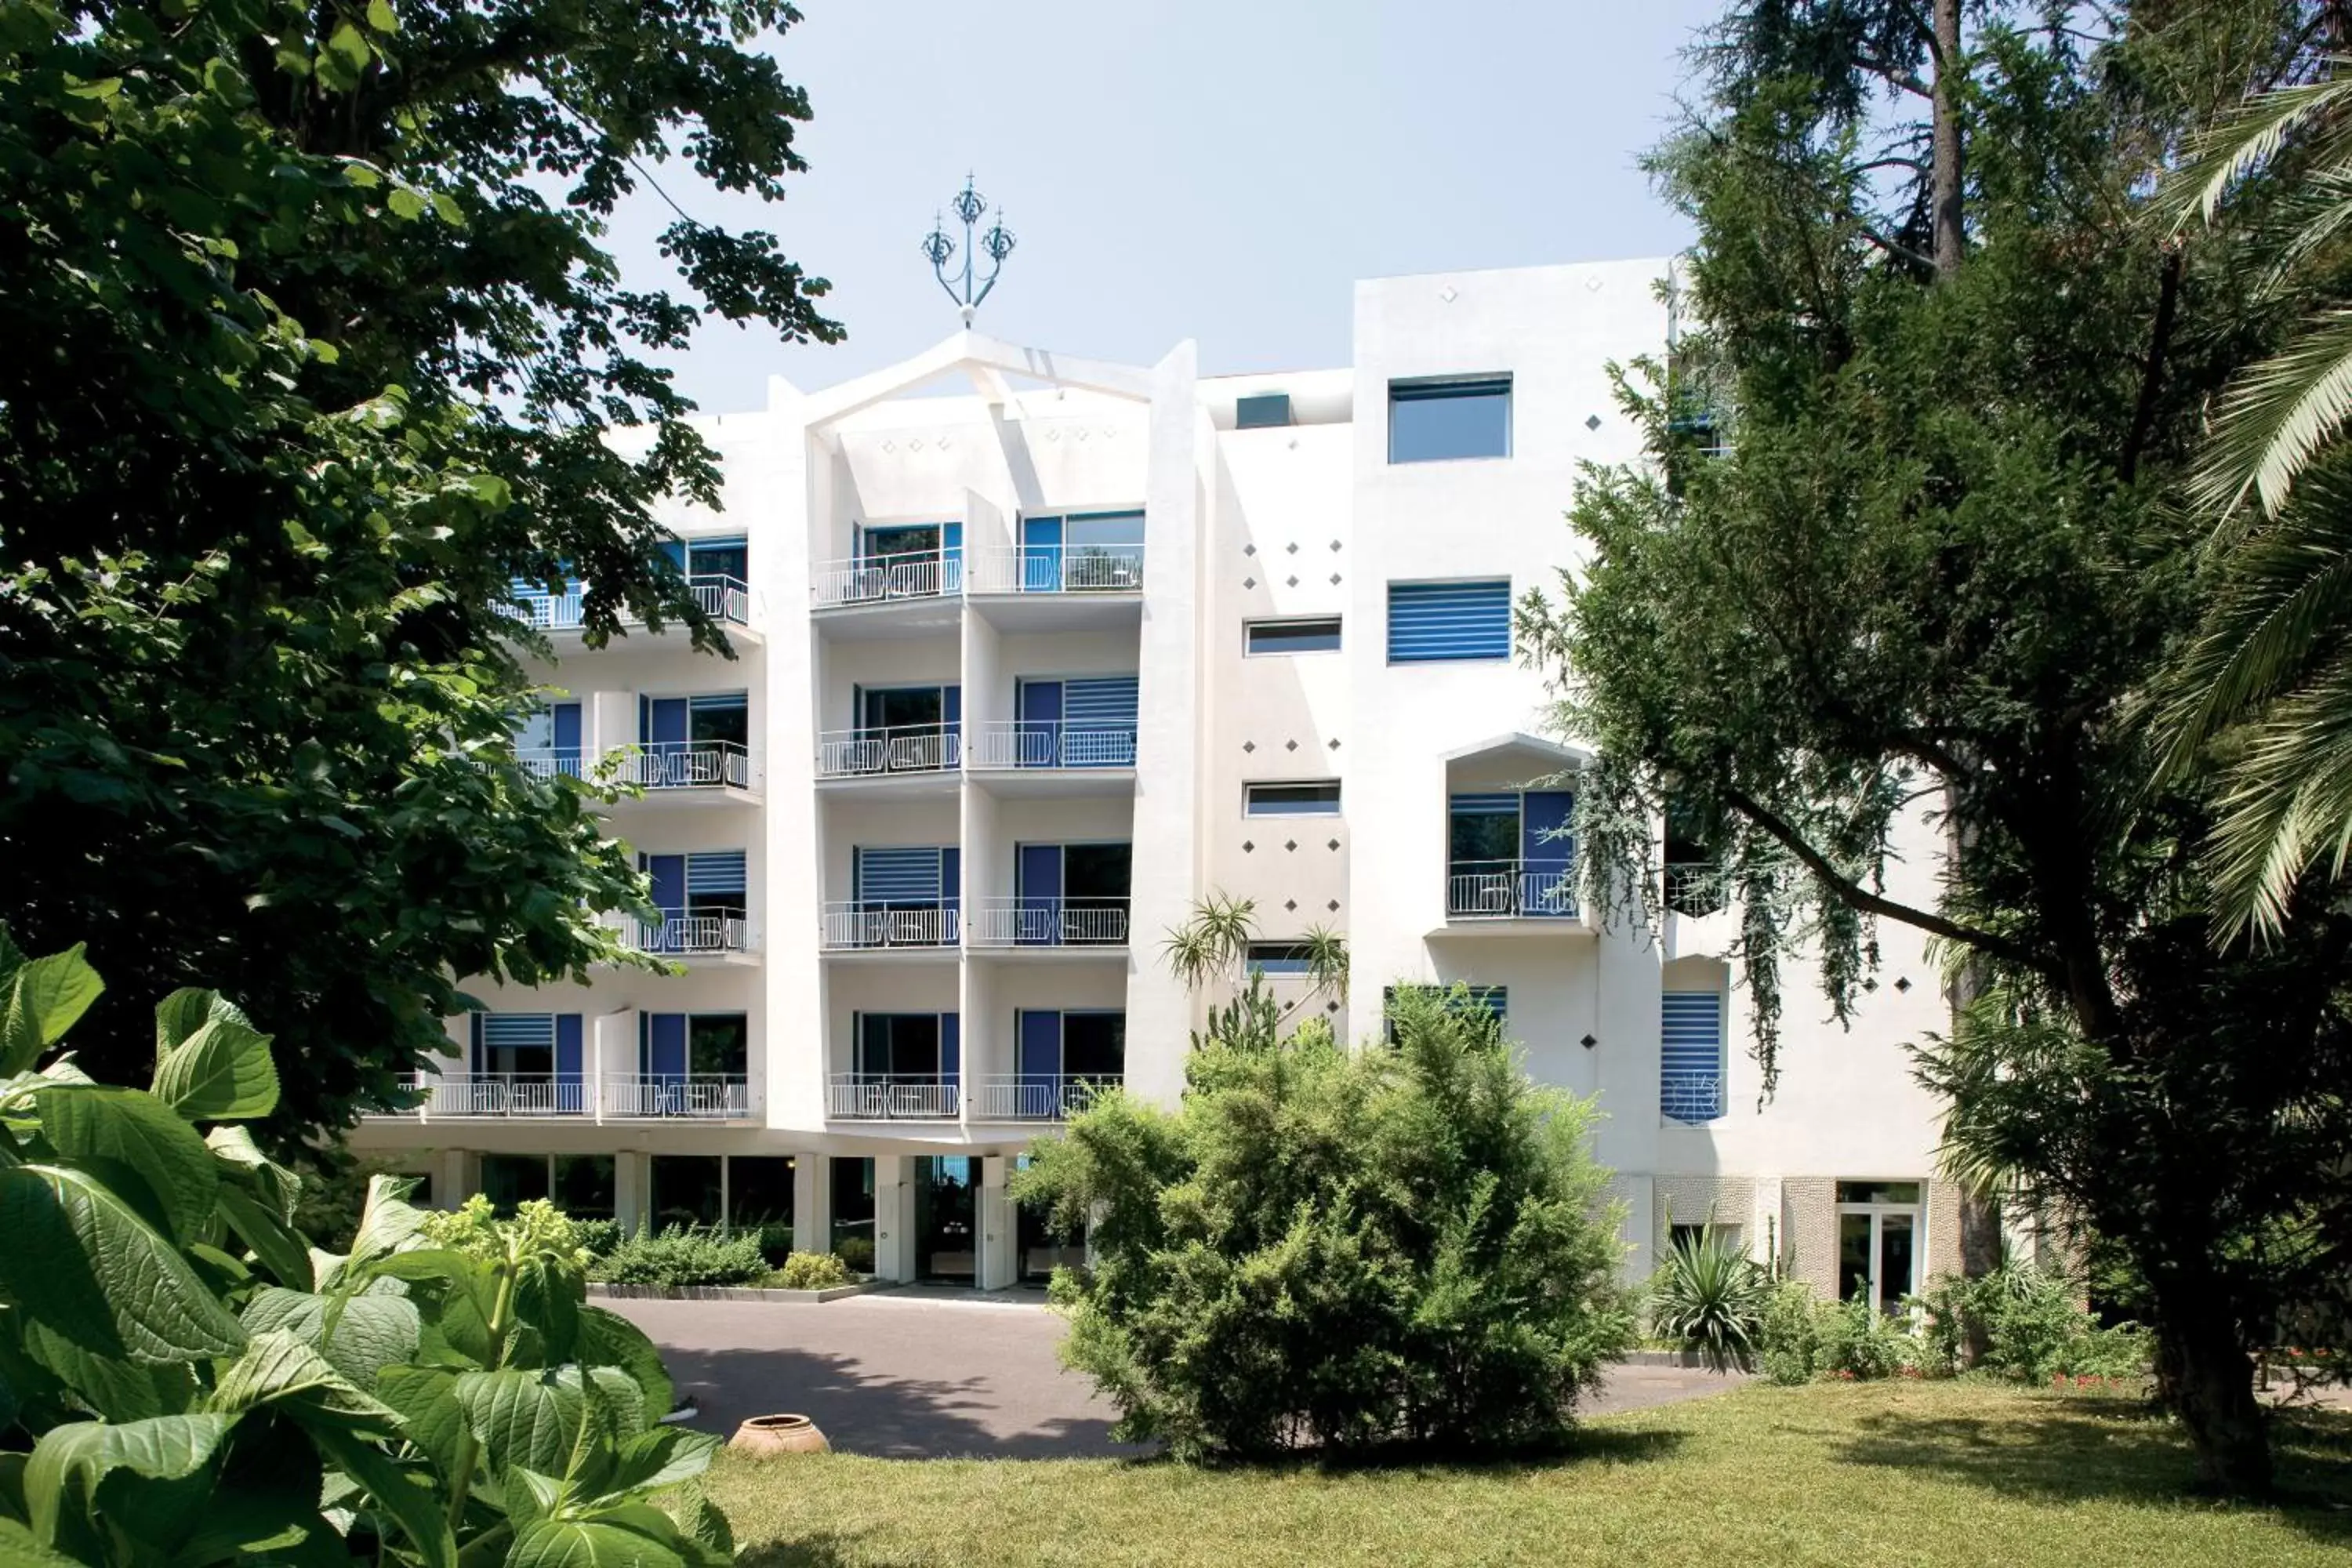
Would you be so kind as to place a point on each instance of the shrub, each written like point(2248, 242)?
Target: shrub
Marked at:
point(857, 1253)
point(776, 1242)
point(683, 1255)
point(1789, 1333)
point(2032, 1326)
point(201, 1385)
point(1335, 1249)
point(1856, 1339)
point(1709, 1296)
point(597, 1236)
point(810, 1271)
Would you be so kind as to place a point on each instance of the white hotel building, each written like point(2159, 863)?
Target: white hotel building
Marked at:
point(1034, 653)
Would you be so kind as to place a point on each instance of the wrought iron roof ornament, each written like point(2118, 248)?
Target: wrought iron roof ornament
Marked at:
point(996, 244)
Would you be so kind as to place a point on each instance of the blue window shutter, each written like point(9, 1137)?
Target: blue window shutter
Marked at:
point(1104, 699)
point(674, 549)
point(664, 720)
point(1500, 803)
point(715, 871)
point(1691, 1048)
point(1039, 1045)
point(898, 875)
point(952, 876)
point(1433, 621)
point(719, 702)
point(1041, 702)
point(1041, 554)
point(950, 1047)
point(474, 1043)
point(518, 1031)
point(665, 1045)
point(567, 1048)
point(668, 874)
point(1544, 841)
point(951, 706)
point(1037, 887)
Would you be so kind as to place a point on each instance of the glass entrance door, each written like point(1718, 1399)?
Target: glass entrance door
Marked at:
point(945, 1234)
point(1878, 1242)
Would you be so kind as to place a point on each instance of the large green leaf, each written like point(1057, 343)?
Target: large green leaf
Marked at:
point(221, 1072)
point(402, 1494)
point(589, 1543)
point(388, 1221)
point(20, 1548)
point(43, 999)
point(526, 1420)
point(74, 1256)
point(279, 1368)
point(427, 1399)
point(115, 1389)
point(136, 1130)
point(181, 1014)
point(661, 1458)
point(608, 1339)
point(61, 1478)
point(371, 1333)
point(277, 1244)
point(242, 1159)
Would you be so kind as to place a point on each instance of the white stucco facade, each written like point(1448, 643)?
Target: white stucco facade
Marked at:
point(891, 549)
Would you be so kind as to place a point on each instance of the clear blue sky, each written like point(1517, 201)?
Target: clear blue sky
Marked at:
point(1214, 169)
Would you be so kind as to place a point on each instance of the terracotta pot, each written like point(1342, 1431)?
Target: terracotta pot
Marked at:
point(764, 1436)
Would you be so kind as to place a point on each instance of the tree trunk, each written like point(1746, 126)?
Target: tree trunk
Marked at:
point(2206, 1377)
point(1944, 195)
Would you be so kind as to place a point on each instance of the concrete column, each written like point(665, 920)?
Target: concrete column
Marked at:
point(632, 1178)
point(893, 1218)
point(449, 1183)
point(1000, 1258)
point(812, 1204)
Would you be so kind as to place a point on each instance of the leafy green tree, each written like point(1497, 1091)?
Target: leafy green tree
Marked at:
point(313, 351)
point(1931, 584)
point(184, 1379)
point(1337, 1249)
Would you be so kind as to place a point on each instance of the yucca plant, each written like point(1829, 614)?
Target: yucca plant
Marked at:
point(1211, 941)
point(1709, 1296)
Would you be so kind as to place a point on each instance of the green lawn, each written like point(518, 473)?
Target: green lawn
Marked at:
point(1863, 1476)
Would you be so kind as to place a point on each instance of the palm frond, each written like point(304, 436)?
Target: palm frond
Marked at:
point(1326, 961)
point(1211, 941)
point(2246, 141)
point(2275, 417)
point(2288, 802)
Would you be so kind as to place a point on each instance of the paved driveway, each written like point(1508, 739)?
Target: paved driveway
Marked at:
point(913, 1374)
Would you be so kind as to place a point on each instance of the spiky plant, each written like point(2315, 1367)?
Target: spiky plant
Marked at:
point(1709, 1296)
point(1211, 941)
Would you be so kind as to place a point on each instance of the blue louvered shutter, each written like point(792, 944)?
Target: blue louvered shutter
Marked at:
point(663, 1045)
point(564, 727)
point(512, 1032)
point(720, 703)
point(1098, 722)
point(1039, 1047)
point(661, 721)
point(898, 875)
point(950, 1047)
point(1690, 1056)
point(567, 1062)
point(1433, 621)
point(714, 873)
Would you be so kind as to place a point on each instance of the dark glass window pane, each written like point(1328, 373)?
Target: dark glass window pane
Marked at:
point(1894, 1261)
point(1295, 636)
point(1291, 800)
point(899, 1045)
point(1481, 834)
point(719, 558)
point(511, 1179)
point(584, 1185)
point(1853, 1255)
point(720, 724)
point(852, 1181)
point(1430, 420)
point(684, 1190)
point(759, 1190)
point(1094, 1044)
point(893, 707)
point(884, 543)
point(1085, 529)
point(1276, 959)
point(718, 1043)
point(1097, 870)
point(1878, 1191)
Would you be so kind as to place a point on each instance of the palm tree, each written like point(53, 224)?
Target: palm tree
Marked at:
point(1213, 940)
point(2273, 659)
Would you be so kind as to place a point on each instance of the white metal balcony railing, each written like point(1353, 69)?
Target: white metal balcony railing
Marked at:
point(1696, 888)
point(1052, 743)
point(722, 598)
point(689, 764)
point(870, 923)
point(689, 932)
point(701, 1095)
point(905, 749)
point(1049, 922)
point(866, 1097)
point(876, 579)
point(1691, 1097)
point(1509, 889)
point(1036, 1096)
point(1057, 568)
point(550, 762)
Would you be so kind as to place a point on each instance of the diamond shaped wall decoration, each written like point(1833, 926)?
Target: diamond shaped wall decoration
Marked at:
point(1333, 906)
point(1291, 845)
point(1293, 581)
point(1290, 745)
point(1335, 545)
point(1292, 547)
point(1334, 742)
point(1249, 745)
point(1335, 579)
point(1291, 905)
point(1448, 294)
point(1333, 846)
point(1249, 582)
point(1247, 847)
point(1592, 422)
point(1249, 549)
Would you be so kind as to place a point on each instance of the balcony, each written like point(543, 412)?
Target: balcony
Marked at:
point(1696, 888)
point(727, 600)
point(689, 764)
point(879, 579)
point(689, 932)
point(1050, 922)
point(865, 1096)
point(861, 925)
point(525, 1095)
point(1037, 1097)
point(1012, 743)
point(549, 762)
point(879, 754)
point(1509, 891)
point(1693, 1098)
point(1057, 568)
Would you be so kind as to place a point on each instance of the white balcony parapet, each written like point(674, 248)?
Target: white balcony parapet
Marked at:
point(905, 749)
point(1006, 743)
point(1036, 1096)
point(689, 764)
point(689, 932)
point(1509, 889)
point(870, 1097)
point(472, 1095)
point(877, 579)
point(1057, 568)
point(1049, 922)
point(550, 762)
point(722, 598)
point(1691, 1097)
point(869, 923)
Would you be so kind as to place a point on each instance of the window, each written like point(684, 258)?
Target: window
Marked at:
point(528, 1045)
point(584, 1185)
point(1291, 636)
point(1320, 798)
point(548, 741)
point(702, 1045)
point(1431, 622)
point(1429, 421)
point(1089, 1046)
point(1085, 722)
point(1879, 1226)
point(1690, 1055)
point(1279, 960)
point(686, 1190)
point(1261, 412)
point(508, 1180)
point(925, 1045)
point(759, 1194)
point(1495, 1000)
point(1082, 552)
point(719, 558)
point(1510, 855)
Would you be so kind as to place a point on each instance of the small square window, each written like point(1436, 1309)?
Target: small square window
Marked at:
point(1261, 412)
point(1433, 421)
point(1291, 636)
point(1320, 798)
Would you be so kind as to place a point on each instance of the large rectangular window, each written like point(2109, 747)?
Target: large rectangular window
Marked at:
point(1320, 635)
point(1320, 798)
point(1433, 420)
point(1431, 622)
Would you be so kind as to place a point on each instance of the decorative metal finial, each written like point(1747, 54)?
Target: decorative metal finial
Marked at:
point(996, 244)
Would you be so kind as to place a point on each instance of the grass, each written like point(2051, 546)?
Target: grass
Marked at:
point(1877, 1473)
